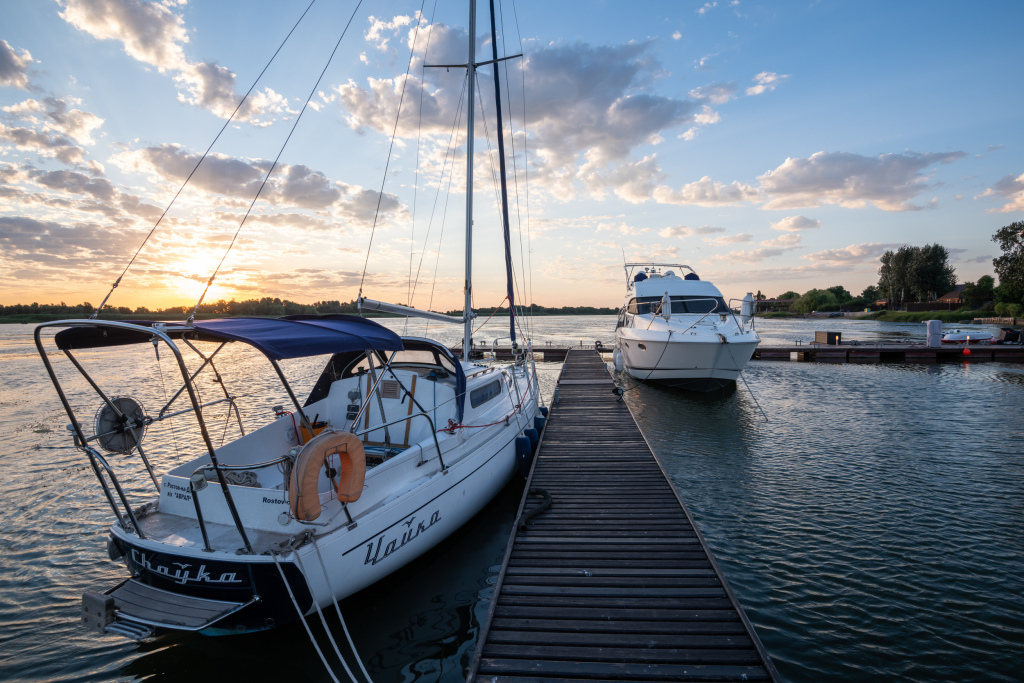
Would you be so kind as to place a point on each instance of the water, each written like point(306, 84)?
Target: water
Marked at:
point(871, 528)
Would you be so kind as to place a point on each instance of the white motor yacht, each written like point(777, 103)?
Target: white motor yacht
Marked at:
point(677, 330)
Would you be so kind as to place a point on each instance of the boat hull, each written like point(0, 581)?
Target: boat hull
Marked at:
point(342, 562)
point(687, 365)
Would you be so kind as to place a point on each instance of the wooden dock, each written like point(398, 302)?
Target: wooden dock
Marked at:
point(892, 353)
point(612, 581)
point(823, 353)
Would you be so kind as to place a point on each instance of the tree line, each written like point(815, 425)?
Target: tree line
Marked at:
point(263, 307)
point(920, 274)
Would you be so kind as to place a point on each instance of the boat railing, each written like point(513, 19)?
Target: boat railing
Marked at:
point(433, 433)
point(99, 464)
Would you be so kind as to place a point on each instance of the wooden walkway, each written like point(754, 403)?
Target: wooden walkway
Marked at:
point(612, 582)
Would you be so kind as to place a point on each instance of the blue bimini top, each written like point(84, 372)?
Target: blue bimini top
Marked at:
point(295, 336)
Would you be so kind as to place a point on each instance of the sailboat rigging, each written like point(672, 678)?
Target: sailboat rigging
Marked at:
point(396, 446)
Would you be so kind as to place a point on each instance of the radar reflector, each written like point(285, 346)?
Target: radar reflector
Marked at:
point(120, 425)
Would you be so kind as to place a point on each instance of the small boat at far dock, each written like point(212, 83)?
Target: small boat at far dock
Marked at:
point(968, 337)
point(679, 331)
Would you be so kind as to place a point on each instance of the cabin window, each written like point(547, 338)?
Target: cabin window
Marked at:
point(643, 305)
point(485, 393)
point(698, 304)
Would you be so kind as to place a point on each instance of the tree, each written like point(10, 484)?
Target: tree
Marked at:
point(931, 275)
point(789, 295)
point(815, 300)
point(1010, 266)
point(759, 296)
point(842, 296)
point(894, 279)
point(870, 293)
point(976, 294)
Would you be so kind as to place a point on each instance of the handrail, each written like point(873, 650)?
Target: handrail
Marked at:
point(433, 433)
point(157, 333)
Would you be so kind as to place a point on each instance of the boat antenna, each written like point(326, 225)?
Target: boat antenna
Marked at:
point(273, 166)
point(196, 168)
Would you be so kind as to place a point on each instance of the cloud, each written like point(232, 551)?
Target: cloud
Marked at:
point(855, 253)
point(153, 34)
point(683, 231)
point(729, 239)
point(888, 181)
point(707, 7)
point(54, 244)
point(789, 240)
point(676, 35)
point(716, 93)
point(590, 109)
point(796, 223)
point(766, 82)
point(1009, 188)
point(73, 123)
point(706, 192)
point(293, 185)
point(43, 144)
point(14, 67)
point(749, 256)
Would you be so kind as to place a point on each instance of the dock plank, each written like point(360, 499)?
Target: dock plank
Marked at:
point(612, 581)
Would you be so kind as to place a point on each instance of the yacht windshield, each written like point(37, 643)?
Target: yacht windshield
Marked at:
point(698, 304)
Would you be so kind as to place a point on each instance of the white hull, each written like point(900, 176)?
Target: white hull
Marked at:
point(684, 360)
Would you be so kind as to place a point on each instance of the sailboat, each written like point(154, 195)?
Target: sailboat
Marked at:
point(399, 443)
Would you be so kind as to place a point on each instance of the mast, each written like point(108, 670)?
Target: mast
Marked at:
point(504, 186)
point(467, 309)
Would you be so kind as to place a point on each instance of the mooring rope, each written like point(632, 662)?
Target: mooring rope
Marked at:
point(337, 607)
point(302, 618)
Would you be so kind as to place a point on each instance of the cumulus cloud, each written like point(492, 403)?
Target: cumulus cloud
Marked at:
point(706, 192)
point(154, 34)
point(293, 185)
point(796, 223)
point(73, 123)
point(590, 108)
point(855, 253)
point(14, 66)
point(888, 181)
point(683, 231)
point(729, 239)
point(50, 243)
point(43, 144)
point(789, 240)
point(766, 81)
point(716, 93)
point(1010, 189)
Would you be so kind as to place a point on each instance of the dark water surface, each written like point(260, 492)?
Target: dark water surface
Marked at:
point(872, 528)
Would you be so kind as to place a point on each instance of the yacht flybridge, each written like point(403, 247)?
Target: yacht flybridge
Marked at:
point(677, 330)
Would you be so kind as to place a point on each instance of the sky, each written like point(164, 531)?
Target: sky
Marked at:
point(770, 146)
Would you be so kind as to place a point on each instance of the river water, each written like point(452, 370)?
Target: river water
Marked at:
point(868, 517)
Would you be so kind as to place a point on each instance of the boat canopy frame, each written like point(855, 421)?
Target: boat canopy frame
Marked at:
point(276, 338)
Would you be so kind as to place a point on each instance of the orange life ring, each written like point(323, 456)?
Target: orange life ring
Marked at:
point(303, 496)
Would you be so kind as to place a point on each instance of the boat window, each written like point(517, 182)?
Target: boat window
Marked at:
point(698, 304)
point(644, 304)
point(485, 393)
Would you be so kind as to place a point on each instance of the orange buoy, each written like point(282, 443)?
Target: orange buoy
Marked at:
point(967, 352)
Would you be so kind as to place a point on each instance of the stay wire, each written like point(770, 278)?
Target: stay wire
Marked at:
point(528, 274)
point(387, 165)
point(526, 158)
point(277, 159)
point(452, 145)
point(201, 159)
point(416, 175)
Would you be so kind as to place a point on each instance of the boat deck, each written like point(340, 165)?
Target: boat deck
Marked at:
point(612, 581)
